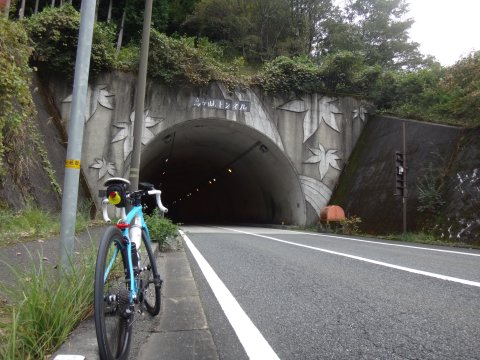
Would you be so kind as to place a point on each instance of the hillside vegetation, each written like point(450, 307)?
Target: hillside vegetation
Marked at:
point(281, 46)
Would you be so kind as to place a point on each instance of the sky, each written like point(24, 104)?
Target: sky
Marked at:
point(446, 29)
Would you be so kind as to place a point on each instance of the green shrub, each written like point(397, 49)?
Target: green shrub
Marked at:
point(345, 72)
point(178, 61)
point(160, 228)
point(54, 33)
point(350, 225)
point(430, 191)
point(284, 75)
point(128, 58)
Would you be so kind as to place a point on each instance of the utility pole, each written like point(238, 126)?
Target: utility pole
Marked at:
point(22, 10)
point(75, 133)
point(7, 9)
point(405, 191)
point(140, 98)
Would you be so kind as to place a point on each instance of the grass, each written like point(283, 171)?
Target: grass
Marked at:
point(33, 223)
point(425, 238)
point(44, 307)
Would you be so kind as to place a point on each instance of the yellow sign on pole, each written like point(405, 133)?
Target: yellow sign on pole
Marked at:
point(72, 164)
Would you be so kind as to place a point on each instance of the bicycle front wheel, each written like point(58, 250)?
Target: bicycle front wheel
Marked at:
point(150, 279)
point(113, 316)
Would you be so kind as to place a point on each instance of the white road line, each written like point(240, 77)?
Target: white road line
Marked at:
point(381, 263)
point(250, 337)
point(386, 244)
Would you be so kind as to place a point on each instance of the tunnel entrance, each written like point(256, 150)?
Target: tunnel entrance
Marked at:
point(218, 171)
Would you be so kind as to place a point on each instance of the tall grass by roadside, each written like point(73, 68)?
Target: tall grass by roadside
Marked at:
point(34, 223)
point(44, 307)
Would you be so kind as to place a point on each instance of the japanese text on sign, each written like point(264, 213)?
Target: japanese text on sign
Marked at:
point(72, 164)
point(220, 104)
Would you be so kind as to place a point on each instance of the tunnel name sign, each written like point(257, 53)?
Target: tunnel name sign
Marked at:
point(220, 104)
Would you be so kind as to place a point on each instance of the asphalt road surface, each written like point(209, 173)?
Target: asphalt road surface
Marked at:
point(276, 294)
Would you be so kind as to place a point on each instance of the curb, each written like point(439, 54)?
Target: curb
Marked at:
point(179, 332)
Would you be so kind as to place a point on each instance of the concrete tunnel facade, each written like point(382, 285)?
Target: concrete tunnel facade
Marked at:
point(217, 171)
point(221, 156)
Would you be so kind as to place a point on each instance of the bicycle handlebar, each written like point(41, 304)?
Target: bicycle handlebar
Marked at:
point(155, 192)
point(104, 211)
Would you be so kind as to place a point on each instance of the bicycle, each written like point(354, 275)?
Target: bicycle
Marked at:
point(126, 275)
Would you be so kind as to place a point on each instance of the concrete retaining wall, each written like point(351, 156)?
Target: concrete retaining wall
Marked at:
point(366, 186)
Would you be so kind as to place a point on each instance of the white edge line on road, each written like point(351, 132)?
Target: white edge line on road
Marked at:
point(250, 337)
point(381, 263)
point(382, 243)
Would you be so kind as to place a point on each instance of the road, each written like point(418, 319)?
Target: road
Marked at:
point(271, 294)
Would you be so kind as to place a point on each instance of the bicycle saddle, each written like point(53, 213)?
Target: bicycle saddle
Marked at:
point(116, 180)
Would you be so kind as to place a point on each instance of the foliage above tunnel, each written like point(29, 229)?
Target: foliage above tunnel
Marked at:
point(54, 33)
point(189, 61)
point(361, 48)
point(344, 72)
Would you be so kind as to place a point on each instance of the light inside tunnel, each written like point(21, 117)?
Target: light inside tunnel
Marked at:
point(217, 171)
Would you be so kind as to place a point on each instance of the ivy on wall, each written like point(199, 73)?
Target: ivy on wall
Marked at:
point(19, 137)
point(16, 104)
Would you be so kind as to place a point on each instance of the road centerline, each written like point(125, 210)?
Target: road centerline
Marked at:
point(371, 261)
point(252, 340)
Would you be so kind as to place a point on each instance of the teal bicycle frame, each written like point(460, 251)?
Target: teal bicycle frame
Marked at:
point(137, 211)
point(133, 218)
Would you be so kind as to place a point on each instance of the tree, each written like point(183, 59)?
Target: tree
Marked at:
point(309, 19)
point(178, 11)
point(134, 10)
point(383, 32)
point(257, 29)
point(462, 82)
point(226, 22)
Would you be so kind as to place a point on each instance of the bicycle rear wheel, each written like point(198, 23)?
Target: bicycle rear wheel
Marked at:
point(150, 279)
point(113, 318)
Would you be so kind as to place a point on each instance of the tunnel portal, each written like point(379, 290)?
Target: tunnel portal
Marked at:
point(217, 171)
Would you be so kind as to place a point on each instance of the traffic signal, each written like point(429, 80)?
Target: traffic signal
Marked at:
point(400, 174)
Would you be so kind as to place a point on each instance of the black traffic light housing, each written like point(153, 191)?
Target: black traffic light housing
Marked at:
point(400, 174)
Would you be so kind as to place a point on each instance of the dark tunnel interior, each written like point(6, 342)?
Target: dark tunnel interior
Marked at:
point(217, 171)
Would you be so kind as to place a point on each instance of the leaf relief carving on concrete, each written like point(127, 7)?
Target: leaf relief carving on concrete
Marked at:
point(315, 111)
point(360, 113)
point(100, 96)
point(324, 158)
point(126, 132)
point(104, 167)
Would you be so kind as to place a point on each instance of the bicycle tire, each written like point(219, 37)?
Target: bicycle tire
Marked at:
point(150, 279)
point(112, 299)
